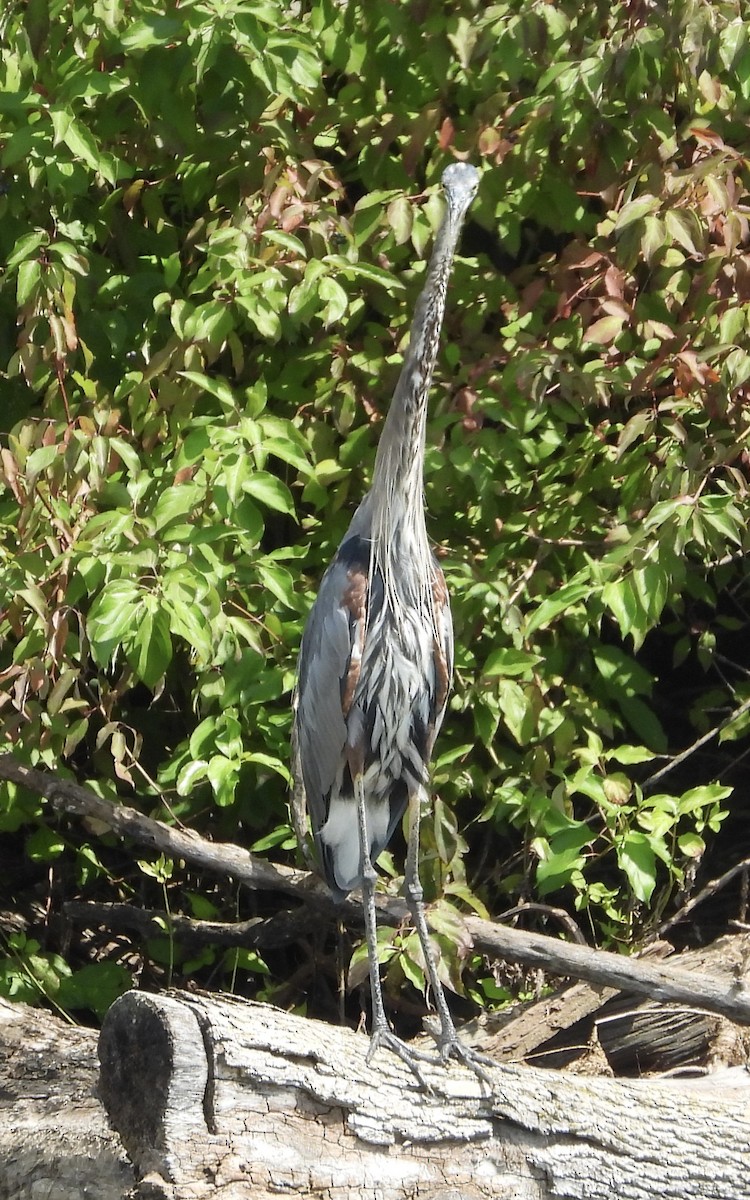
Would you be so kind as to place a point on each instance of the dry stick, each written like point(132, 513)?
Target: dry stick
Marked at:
point(559, 914)
point(706, 737)
point(710, 889)
point(726, 996)
point(257, 932)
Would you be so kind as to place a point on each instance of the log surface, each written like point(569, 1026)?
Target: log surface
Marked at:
point(55, 1143)
point(214, 1096)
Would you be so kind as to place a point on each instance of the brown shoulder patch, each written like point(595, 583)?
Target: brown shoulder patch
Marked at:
point(440, 603)
point(354, 601)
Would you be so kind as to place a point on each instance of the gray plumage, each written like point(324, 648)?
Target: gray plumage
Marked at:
point(377, 652)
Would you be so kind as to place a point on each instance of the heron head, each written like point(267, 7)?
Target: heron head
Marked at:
point(460, 181)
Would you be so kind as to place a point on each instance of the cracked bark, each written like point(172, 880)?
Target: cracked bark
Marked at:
point(55, 1142)
point(214, 1096)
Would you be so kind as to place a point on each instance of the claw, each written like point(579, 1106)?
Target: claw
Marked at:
point(384, 1038)
point(452, 1047)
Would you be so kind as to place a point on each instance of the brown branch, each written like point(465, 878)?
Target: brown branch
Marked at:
point(711, 888)
point(223, 859)
point(701, 741)
point(728, 997)
point(255, 933)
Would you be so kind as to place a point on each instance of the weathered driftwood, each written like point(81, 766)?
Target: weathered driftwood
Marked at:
point(224, 1097)
point(632, 1035)
point(55, 1142)
point(638, 1035)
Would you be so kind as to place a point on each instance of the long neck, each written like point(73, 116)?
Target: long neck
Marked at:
point(396, 492)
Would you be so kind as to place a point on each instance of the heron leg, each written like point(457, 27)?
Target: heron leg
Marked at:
point(449, 1043)
point(369, 876)
point(382, 1034)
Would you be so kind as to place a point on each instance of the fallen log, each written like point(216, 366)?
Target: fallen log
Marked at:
point(217, 1096)
point(55, 1142)
point(633, 1035)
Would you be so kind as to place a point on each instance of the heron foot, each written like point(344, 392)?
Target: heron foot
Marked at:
point(451, 1046)
point(383, 1038)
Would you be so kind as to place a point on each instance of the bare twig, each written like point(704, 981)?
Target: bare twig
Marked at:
point(706, 737)
point(523, 579)
point(711, 888)
point(558, 914)
point(258, 932)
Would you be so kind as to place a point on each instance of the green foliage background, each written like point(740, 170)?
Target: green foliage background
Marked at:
point(213, 224)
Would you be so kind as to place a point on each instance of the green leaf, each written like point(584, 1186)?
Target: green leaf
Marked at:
point(82, 145)
point(148, 648)
point(279, 238)
point(44, 845)
point(604, 331)
point(223, 776)
point(273, 764)
point(400, 217)
point(153, 30)
point(95, 986)
point(554, 870)
point(621, 598)
point(26, 247)
point(636, 857)
point(191, 774)
point(113, 615)
point(511, 662)
point(630, 755)
point(635, 210)
point(336, 300)
point(684, 228)
point(29, 278)
point(566, 596)
point(214, 387)
point(39, 460)
point(278, 582)
point(517, 711)
point(691, 845)
point(175, 503)
point(364, 270)
point(270, 491)
point(277, 837)
point(654, 238)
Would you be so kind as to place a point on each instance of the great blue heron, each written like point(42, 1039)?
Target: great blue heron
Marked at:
point(377, 653)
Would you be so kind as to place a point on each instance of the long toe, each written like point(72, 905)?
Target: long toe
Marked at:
point(453, 1047)
point(385, 1039)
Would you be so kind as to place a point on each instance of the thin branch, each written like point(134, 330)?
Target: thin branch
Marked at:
point(255, 933)
point(706, 737)
point(222, 859)
point(710, 889)
point(523, 579)
point(722, 994)
point(558, 914)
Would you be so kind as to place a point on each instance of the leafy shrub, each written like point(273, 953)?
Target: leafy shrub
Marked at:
point(213, 230)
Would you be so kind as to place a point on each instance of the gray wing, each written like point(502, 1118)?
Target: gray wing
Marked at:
point(328, 663)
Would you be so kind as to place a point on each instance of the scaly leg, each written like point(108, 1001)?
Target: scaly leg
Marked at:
point(382, 1034)
point(449, 1042)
